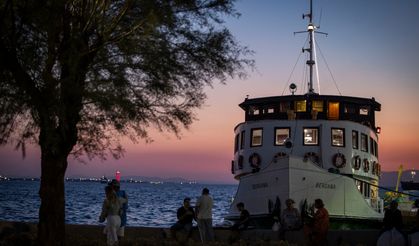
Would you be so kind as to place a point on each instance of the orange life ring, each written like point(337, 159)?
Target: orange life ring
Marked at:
point(339, 160)
point(356, 162)
point(366, 164)
point(312, 156)
point(255, 160)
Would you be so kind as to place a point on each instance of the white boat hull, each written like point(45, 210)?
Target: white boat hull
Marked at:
point(303, 181)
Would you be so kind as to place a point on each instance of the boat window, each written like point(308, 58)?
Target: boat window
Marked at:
point(254, 111)
point(364, 142)
point(376, 148)
point(240, 162)
point(364, 188)
point(301, 106)
point(242, 140)
point(256, 137)
point(349, 109)
point(236, 143)
point(367, 190)
point(338, 137)
point(355, 140)
point(281, 135)
point(364, 110)
point(270, 110)
point(358, 185)
point(333, 111)
point(318, 106)
point(284, 106)
point(311, 136)
point(372, 149)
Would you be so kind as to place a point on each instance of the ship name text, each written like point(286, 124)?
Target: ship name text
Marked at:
point(259, 186)
point(325, 186)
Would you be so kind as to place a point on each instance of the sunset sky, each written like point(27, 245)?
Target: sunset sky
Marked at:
point(372, 51)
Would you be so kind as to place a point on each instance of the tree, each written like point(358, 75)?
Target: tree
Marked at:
point(77, 75)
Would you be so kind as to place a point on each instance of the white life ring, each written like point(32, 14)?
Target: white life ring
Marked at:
point(356, 162)
point(366, 164)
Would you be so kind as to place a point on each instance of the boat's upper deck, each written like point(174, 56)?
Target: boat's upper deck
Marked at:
point(312, 106)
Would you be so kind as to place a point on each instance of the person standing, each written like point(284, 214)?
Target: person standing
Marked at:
point(185, 216)
point(393, 217)
point(110, 212)
point(121, 194)
point(317, 231)
point(203, 211)
point(391, 233)
point(291, 219)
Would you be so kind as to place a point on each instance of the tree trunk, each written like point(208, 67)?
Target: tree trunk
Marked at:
point(51, 227)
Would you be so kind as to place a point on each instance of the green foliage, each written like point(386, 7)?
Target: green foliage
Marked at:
point(77, 75)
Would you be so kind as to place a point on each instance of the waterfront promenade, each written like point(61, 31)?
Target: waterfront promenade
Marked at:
point(18, 233)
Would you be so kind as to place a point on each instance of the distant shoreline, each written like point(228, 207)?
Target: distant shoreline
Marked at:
point(136, 181)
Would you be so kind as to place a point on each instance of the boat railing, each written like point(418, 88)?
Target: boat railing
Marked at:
point(376, 204)
point(263, 112)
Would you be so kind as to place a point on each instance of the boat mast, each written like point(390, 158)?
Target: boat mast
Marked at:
point(310, 62)
point(311, 30)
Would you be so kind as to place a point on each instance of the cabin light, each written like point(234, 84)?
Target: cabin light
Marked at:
point(378, 130)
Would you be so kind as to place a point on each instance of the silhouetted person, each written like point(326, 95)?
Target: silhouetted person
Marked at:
point(185, 216)
point(243, 221)
point(392, 223)
point(393, 217)
point(241, 224)
point(317, 230)
point(110, 212)
point(413, 237)
point(122, 194)
point(203, 210)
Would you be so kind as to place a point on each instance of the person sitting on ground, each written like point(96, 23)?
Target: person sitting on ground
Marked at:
point(291, 219)
point(392, 217)
point(243, 221)
point(185, 216)
point(241, 224)
point(111, 213)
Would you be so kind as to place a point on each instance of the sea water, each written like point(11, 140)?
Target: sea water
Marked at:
point(152, 205)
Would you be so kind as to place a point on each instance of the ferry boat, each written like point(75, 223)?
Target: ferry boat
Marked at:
point(306, 147)
point(410, 185)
